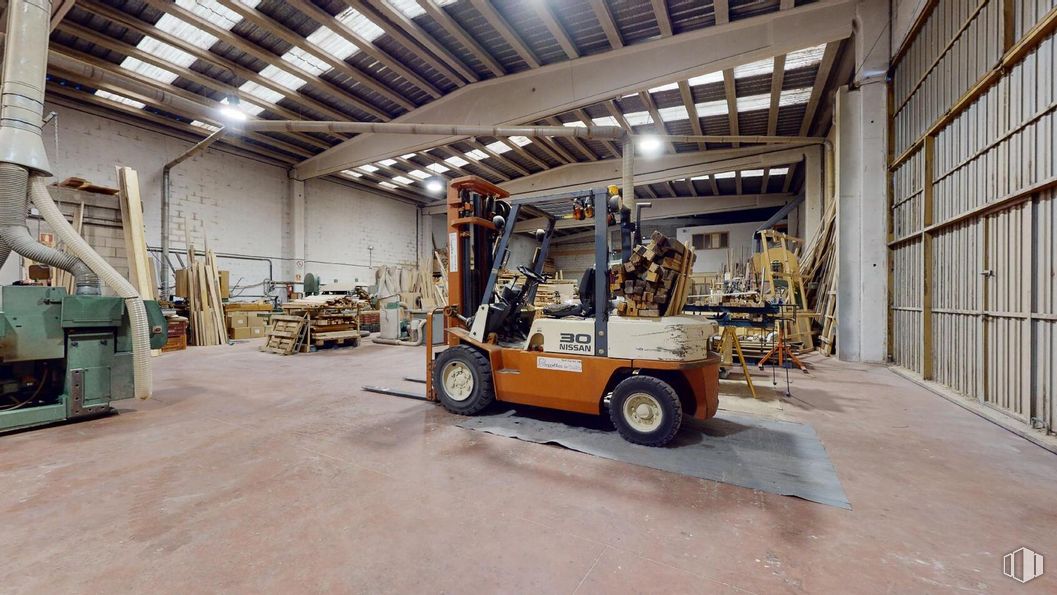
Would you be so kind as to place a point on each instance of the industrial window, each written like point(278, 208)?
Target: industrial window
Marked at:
point(710, 241)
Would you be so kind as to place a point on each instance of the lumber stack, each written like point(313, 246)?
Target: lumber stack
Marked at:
point(655, 280)
point(331, 319)
point(204, 306)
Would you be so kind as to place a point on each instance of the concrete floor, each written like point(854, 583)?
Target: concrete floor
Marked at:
point(251, 472)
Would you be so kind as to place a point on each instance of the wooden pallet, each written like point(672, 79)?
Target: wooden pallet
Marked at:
point(350, 338)
point(285, 335)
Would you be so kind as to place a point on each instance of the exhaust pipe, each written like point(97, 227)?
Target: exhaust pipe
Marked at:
point(24, 165)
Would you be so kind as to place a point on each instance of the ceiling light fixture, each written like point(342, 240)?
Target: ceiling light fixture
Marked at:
point(649, 144)
point(229, 109)
point(434, 185)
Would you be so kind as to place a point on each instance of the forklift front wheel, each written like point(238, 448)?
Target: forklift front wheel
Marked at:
point(646, 410)
point(462, 376)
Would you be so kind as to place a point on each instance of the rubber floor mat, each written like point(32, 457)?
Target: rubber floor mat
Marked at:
point(779, 457)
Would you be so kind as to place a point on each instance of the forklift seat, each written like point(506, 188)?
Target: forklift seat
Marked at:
point(586, 293)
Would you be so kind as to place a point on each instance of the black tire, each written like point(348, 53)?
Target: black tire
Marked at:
point(664, 399)
point(481, 392)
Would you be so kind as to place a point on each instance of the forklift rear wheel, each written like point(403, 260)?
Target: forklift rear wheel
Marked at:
point(463, 378)
point(646, 410)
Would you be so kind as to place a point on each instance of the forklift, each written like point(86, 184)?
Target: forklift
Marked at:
point(650, 371)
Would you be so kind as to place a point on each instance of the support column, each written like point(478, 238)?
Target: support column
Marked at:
point(813, 189)
point(294, 267)
point(862, 287)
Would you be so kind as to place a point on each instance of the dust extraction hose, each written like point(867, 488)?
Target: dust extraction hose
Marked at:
point(137, 312)
point(15, 235)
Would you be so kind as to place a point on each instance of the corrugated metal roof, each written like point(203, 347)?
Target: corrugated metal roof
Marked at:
point(367, 87)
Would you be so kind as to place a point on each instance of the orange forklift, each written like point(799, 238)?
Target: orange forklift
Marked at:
point(651, 372)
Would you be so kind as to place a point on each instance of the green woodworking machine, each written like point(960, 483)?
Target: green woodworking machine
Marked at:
point(65, 356)
point(61, 356)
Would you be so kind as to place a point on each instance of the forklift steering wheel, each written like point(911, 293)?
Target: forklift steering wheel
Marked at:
point(529, 273)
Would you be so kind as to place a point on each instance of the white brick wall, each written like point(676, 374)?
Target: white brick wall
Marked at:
point(237, 203)
point(342, 222)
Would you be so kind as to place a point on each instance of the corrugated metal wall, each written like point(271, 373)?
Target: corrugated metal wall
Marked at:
point(973, 203)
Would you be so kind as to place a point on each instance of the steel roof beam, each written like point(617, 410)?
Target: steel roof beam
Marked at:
point(447, 23)
point(577, 176)
point(556, 88)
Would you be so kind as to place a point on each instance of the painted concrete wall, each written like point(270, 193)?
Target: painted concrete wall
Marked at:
point(238, 204)
point(739, 243)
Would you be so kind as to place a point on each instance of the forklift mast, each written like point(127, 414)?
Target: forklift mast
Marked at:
point(478, 248)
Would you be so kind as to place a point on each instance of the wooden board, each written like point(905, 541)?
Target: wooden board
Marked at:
point(135, 236)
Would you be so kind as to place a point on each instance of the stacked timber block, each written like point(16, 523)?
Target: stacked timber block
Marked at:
point(332, 320)
point(654, 280)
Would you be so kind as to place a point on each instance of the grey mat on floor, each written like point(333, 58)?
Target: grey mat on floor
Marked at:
point(779, 457)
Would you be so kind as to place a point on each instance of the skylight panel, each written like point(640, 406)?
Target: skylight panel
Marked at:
point(349, 172)
point(403, 180)
point(667, 87)
point(605, 121)
point(779, 171)
point(754, 68)
point(408, 156)
point(332, 43)
point(712, 77)
point(795, 96)
point(260, 92)
point(367, 167)
point(183, 30)
point(804, 58)
point(638, 118)
point(204, 126)
point(360, 24)
point(216, 13)
point(498, 147)
point(387, 185)
point(148, 70)
point(160, 49)
point(411, 9)
point(437, 168)
point(724, 175)
point(456, 161)
point(754, 102)
point(418, 174)
point(520, 141)
point(711, 108)
point(477, 155)
point(305, 61)
point(574, 124)
point(671, 114)
point(120, 99)
point(751, 173)
point(697, 178)
point(281, 77)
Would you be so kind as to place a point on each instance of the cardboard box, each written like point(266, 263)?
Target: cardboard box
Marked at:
point(246, 332)
point(238, 320)
point(255, 320)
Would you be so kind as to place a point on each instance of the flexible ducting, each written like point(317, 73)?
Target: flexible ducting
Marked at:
point(137, 312)
point(15, 234)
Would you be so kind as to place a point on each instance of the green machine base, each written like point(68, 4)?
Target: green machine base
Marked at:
point(65, 357)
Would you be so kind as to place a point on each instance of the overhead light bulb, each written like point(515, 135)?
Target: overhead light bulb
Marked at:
point(649, 144)
point(229, 109)
point(434, 186)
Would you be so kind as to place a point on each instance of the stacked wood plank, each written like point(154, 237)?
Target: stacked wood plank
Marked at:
point(655, 280)
point(204, 306)
point(819, 264)
point(331, 319)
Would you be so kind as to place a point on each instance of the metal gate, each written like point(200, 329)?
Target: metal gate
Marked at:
point(973, 203)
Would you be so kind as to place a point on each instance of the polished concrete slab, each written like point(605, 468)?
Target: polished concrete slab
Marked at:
point(251, 472)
